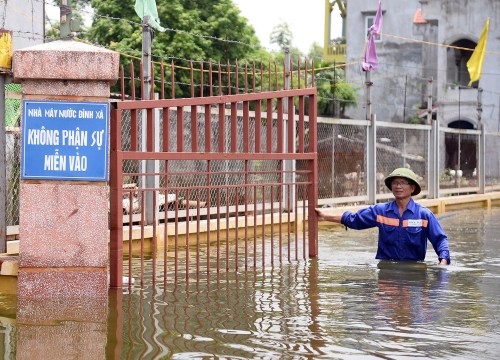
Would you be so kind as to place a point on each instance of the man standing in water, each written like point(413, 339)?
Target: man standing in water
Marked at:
point(404, 226)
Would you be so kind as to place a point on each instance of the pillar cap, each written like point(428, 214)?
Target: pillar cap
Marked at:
point(65, 60)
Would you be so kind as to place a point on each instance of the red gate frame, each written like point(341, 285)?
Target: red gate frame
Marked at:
point(118, 155)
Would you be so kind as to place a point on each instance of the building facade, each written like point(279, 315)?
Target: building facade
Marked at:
point(425, 40)
point(25, 19)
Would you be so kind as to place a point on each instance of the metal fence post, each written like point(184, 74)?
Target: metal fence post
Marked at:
point(433, 169)
point(3, 173)
point(371, 145)
point(371, 161)
point(435, 156)
point(482, 160)
point(433, 159)
point(482, 144)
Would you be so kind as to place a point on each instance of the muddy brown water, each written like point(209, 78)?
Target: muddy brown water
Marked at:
point(343, 305)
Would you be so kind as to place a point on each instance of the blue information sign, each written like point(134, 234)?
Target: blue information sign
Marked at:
point(65, 140)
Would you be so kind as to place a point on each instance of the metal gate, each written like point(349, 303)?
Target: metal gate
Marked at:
point(219, 182)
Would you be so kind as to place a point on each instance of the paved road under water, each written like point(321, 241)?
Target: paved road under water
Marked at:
point(343, 305)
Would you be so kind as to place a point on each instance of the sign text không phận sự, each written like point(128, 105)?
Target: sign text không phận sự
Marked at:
point(65, 140)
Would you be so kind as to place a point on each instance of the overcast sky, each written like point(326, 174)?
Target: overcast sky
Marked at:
point(305, 18)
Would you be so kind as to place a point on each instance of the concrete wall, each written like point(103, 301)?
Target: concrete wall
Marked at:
point(25, 18)
point(465, 19)
point(400, 61)
point(403, 62)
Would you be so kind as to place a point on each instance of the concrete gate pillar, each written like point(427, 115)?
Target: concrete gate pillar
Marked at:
point(63, 224)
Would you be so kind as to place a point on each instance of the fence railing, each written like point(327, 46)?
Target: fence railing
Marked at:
point(12, 152)
point(354, 156)
point(342, 161)
point(346, 165)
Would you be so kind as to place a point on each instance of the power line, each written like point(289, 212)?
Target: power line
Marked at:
point(436, 44)
point(136, 54)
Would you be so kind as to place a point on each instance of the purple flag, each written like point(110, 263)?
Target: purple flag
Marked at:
point(371, 60)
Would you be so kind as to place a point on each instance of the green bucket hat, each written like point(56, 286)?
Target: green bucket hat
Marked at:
point(404, 173)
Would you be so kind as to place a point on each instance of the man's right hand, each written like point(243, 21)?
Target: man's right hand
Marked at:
point(322, 216)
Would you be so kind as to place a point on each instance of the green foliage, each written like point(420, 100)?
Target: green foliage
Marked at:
point(196, 29)
point(282, 36)
point(338, 41)
point(334, 94)
point(415, 120)
point(315, 51)
point(182, 18)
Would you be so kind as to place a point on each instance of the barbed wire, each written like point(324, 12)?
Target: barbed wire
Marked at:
point(436, 44)
point(33, 35)
point(28, 34)
point(267, 49)
point(258, 46)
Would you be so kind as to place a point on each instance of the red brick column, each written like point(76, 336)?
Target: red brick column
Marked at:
point(63, 225)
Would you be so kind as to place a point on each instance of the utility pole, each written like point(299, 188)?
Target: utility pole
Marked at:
point(148, 166)
point(67, 24)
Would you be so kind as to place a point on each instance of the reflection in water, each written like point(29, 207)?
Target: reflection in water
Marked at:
point(61, 328)
point(408, 292)
point(345, 304)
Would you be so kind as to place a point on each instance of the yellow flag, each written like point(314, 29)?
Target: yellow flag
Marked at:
point(5, 50)
point(475, 63)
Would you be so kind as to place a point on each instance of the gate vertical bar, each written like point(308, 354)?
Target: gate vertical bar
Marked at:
point(288, 166)
point(312, 188)
point(116, 211)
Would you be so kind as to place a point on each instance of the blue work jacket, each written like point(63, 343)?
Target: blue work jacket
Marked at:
point(401, 238)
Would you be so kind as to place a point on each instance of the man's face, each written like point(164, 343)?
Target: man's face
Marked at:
point(402, 188)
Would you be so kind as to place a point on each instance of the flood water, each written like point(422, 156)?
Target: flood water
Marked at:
point(343, 305)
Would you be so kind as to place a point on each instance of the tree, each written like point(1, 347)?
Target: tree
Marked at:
point(315, 52)
point(282, 36)
point(334, 94)
point(196, 29)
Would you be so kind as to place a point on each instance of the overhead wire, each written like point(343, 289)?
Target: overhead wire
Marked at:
point(319, 79)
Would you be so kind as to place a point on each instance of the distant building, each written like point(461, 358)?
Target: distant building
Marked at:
point(422, 40)
point(334, 51)
point(25, 19)
point(21, 25)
